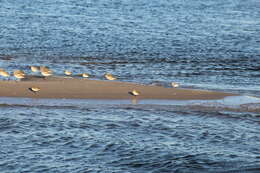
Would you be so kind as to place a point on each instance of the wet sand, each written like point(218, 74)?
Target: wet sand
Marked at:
point(77, 88)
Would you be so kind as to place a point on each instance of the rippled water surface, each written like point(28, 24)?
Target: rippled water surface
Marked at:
point(202, 44)
point(114, 137)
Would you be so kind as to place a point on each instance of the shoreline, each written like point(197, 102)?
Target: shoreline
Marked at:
point(78, 88)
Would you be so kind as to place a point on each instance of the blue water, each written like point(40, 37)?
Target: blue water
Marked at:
point(201, 44)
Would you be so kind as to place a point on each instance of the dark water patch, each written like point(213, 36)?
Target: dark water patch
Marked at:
point(37, 106)
point(6, 123)
point(6, 57)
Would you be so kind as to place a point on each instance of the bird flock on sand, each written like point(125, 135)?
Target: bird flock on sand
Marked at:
point(46, 72)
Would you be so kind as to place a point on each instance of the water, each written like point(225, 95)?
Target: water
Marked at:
point(200, 44)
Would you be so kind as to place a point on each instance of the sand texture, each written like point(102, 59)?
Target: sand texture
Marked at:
point(59, 87)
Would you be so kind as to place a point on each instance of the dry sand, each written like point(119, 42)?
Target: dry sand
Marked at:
point(59, 87)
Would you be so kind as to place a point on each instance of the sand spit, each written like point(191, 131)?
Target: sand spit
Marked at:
point(77, 88)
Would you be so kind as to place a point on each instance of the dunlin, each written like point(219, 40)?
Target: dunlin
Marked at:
point(85, 75)
point(34, 69)
point(134, 93)
point(45, 71)
point(110, 76)
point(4, 73)
point(68, 73)
point(19, 74)
point(175, 85)
point(34, 89)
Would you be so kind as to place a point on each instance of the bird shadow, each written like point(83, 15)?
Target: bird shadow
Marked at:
point(131, 93)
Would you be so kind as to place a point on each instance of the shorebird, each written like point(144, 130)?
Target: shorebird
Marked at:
point(34, 89)
point(85, 75)
point(110, 76)
point(134, 93)
point(19, 74)
point(45, 71)
point(175, 85)
point(68, 73)
point(34, 69)
point(4, 73)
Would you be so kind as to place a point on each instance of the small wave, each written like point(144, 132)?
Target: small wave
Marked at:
point(37, 106)
point(231, 103)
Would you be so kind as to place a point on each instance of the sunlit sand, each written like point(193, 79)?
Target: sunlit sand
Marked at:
point(59, 87)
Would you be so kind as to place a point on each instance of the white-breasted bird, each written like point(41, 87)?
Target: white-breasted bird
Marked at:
point(45, 71)
point(134, 93)
point(34, 69)
point(109, 76)
point(175, 85)
point(19, 74)
point(34, 89)
point(4, 73)
point(68, 73)
point(85, 75)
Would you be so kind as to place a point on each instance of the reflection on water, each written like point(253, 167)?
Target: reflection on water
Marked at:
point(227, 101)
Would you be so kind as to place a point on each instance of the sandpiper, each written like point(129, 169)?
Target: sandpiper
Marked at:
point(45, 71)
point(4, 73)
point(68, 73)
point(34, 89)
point(110, 76)
point(134, 93)
point(175, 85)
point(34, 69)
point(19, 74)
point(85, 75)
